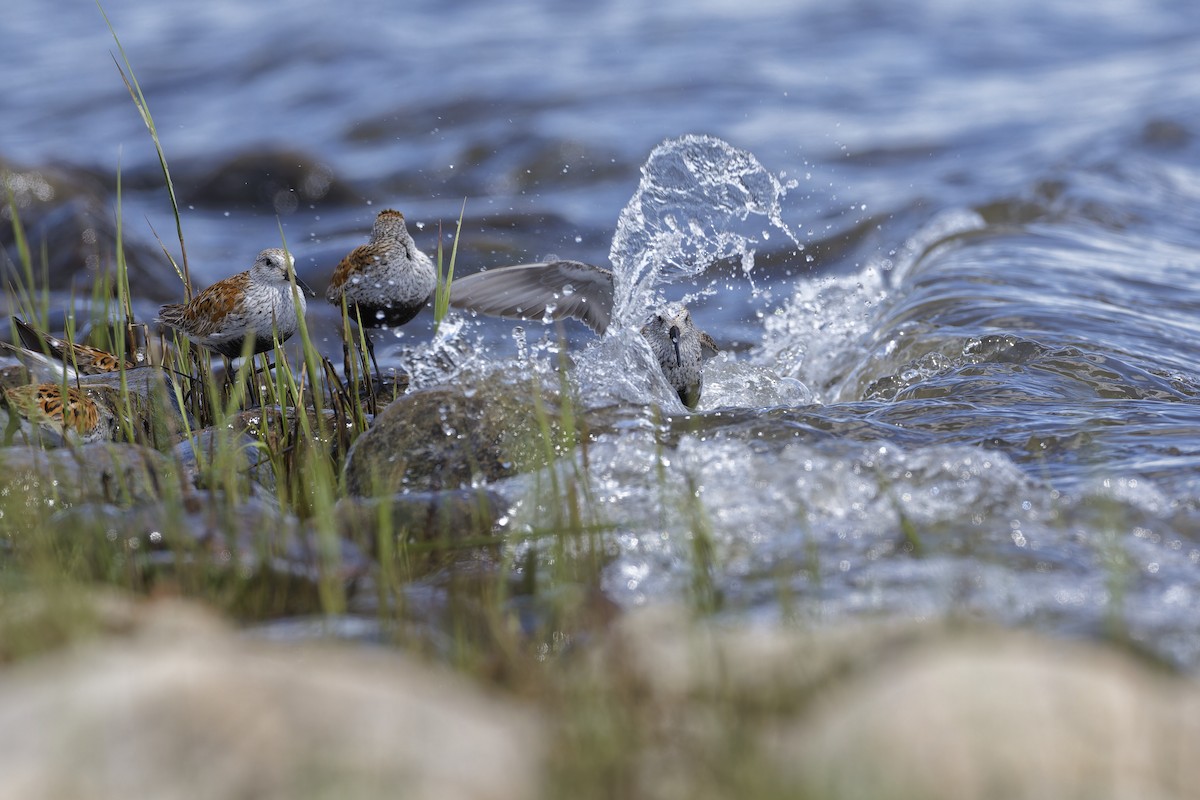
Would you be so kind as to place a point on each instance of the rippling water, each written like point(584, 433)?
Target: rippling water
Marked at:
point(968, 384)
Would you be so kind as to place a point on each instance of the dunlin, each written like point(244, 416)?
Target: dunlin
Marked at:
point(561, 289)
point(41, 413)
point(386, 281)
point(257, 303)
point(681, 349)
point(46, 354)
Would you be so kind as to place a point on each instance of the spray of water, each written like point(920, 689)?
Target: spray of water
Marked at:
point(700, 200)
point(690, 209)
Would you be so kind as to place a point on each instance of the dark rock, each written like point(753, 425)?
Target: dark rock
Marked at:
point(275, 181)
point(267, 562)
point(270, 423)
point(69, 211)
point(196, 457)
point(1166, 134)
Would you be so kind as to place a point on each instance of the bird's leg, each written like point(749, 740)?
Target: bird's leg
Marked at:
point(346, 361)
point(371, 353)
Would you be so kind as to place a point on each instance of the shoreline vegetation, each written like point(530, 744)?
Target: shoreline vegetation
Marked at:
point(145, 579)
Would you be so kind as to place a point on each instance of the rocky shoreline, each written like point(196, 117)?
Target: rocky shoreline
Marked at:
point(213, 547)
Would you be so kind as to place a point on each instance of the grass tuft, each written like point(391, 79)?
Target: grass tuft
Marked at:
point(441, 299)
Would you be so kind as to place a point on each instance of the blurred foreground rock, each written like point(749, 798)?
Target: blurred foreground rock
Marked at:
point(1001, 716)
point(182, 707)
point(911, 710)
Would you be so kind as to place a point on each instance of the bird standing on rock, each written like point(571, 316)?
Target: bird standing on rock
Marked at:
point(560, 289)
point(385, 282)
point(257, 304)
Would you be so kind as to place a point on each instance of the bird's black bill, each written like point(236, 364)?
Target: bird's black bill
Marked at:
point(674, 334)
point(304, 287)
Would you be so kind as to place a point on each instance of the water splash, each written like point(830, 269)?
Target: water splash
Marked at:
point(690, 210)
point(700, 200)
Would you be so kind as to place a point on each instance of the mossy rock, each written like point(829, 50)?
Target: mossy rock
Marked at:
point(451, 438)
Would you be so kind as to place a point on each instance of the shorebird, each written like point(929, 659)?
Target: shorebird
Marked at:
point(257, 304)
point(51, 358)
point(42, 413)
point(385, 282)
point(561, 289)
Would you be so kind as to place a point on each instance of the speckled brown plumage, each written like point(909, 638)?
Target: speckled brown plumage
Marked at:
point(258, 303)
point(84, 415)
point(386, 281)
point(208, 311)
point(81, 358)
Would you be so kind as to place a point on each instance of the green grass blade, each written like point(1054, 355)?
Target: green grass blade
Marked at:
point(139, 100)
point(441, 299)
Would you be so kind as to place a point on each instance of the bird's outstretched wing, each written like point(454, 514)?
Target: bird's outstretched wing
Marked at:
point(545, 290)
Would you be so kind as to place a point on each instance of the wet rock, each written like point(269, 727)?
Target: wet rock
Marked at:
point(251, 435)
point(445, 438)
point(1166, 134)
point(182, 707)
point(197, 457)
point(268, 562)
point(33, 480)
point(274, 181)
point(70, 212)
point(529, 163)
point(272, 425)
point(458, 515)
